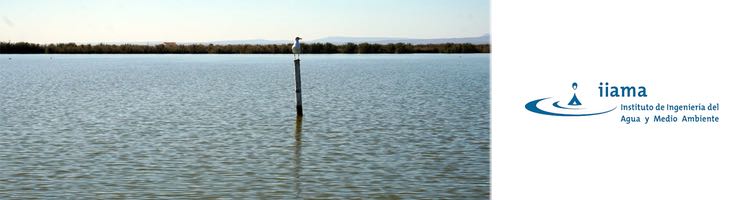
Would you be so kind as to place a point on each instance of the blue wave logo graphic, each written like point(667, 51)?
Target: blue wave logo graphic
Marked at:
point(534, 107)
point(573, 109)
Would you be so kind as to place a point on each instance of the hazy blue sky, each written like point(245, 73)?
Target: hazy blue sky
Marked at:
point(50, 21)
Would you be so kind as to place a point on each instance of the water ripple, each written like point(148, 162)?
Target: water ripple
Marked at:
point(222, 126)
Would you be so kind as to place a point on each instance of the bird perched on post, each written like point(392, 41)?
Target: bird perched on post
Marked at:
point(296, 48)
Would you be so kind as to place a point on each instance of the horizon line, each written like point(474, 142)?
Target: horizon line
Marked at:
point(256, 39)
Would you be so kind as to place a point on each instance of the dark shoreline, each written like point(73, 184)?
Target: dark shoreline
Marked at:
point(312, 48)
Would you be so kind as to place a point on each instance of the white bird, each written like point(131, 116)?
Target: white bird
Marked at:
point(296, 48)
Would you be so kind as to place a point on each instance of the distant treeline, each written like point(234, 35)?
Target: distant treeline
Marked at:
point(314, 48)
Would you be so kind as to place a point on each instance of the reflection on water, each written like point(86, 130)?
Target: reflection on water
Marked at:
point(297, 154)
point(219, 126)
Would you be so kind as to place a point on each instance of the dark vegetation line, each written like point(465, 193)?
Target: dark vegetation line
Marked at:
point(314, 48)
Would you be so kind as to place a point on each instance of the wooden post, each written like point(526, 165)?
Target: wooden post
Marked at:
point(298, 87)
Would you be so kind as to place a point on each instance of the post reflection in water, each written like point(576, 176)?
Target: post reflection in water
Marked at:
point(296, 159)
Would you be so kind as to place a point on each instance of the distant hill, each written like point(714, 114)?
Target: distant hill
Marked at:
point(356, 40)
point(257, 41)
point(338, 40)
point(484, 39)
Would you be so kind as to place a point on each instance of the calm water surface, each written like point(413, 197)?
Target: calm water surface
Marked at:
point(224, 126)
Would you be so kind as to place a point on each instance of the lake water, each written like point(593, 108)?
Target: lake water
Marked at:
point(224, 126)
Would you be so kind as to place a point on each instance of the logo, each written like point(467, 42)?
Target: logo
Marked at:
point(574, 107)
point(638, 109)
